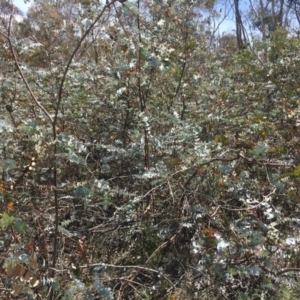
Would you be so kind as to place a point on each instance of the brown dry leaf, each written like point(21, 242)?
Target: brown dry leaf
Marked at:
point(34, 282)
point(27, 275)
point(17, 289)
point(10, 206)
point(15, 271)
point(130, 73)
point(22, 271)
point(33, 263)
point(9, 270)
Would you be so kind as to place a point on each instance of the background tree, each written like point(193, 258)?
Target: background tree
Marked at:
point(268, 16)
point(240, 30)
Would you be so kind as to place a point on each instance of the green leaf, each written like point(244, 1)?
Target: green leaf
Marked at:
point(259, 150)
point(255, 270)
point(56, 285)
point(7, 164)
point(6, 220)
point(104, 292)
point(73, 157)
point(280, 185)
point(225, 169)
point(23, 257)
point(82, 192)
point(5, 126)
point(63, 137)
point(30, 128)
point(69, 293)
point(256, 239)
point(20, 227)
point(296, 171)
point(80, 285)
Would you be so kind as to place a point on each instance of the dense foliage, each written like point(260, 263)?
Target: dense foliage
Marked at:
point(143, 157)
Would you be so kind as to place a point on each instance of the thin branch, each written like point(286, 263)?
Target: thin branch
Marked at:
point(73, 55)
point(196, 172)
point(288, 270)
point(262, 163)
point(55, 181)
point(8, 38)
point(283, 271)
point(127, 267)
point(163, 245)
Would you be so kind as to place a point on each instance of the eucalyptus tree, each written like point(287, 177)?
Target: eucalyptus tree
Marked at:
point(267, 16)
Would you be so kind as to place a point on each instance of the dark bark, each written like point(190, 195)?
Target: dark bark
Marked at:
point(240, 32)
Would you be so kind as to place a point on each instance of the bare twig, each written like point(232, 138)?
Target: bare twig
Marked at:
point(263, 163)
point(128, 267)
point(17, 64)
point(59, 100)
point(196, 172)
point(73, 55)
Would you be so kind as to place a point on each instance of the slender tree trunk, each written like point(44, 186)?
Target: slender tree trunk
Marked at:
point(240, 32)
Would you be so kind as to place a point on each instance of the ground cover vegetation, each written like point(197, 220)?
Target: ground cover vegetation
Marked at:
point(144, 155)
